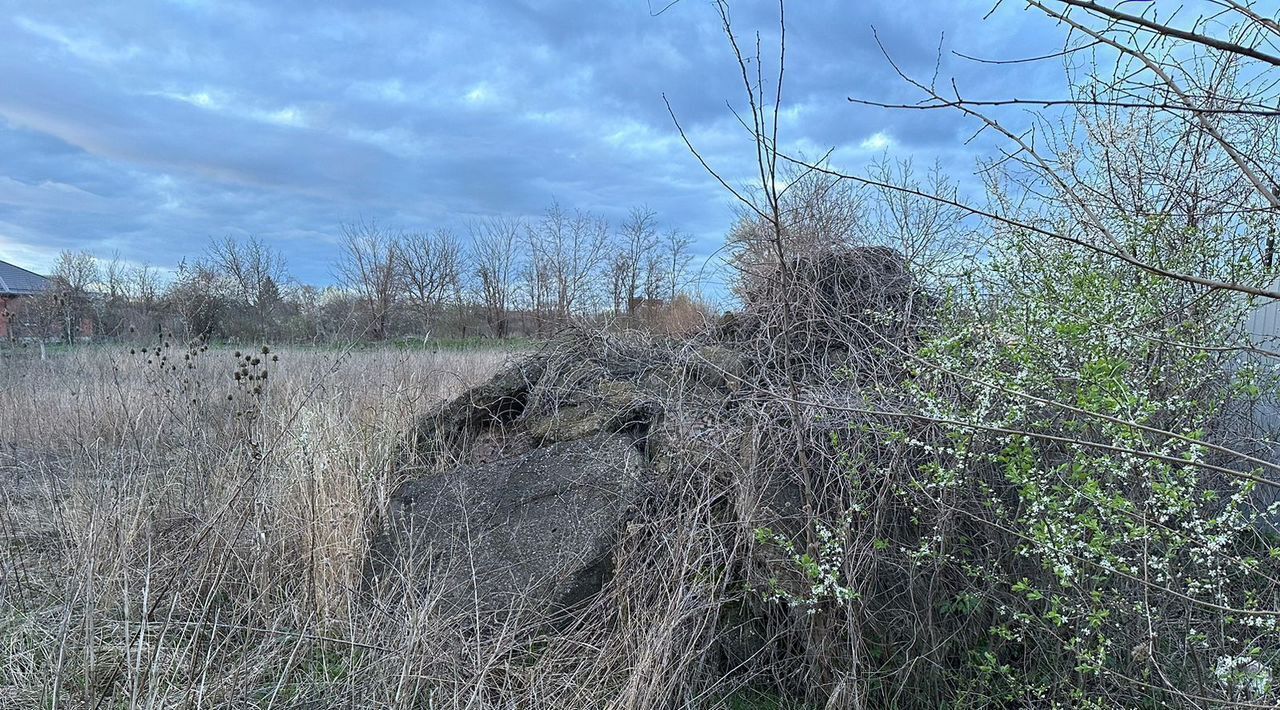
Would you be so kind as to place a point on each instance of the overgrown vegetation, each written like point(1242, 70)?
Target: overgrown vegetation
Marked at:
point(945, 454)
point(186, 527)
point(511, 278)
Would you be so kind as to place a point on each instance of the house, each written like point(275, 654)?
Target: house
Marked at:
point(17, 286)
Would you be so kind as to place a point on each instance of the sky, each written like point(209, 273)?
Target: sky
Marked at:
point(143, 129)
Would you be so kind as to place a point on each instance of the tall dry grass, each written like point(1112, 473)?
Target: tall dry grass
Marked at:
point(173, 535)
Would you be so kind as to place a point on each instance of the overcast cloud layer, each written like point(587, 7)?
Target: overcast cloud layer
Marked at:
point(146, 128)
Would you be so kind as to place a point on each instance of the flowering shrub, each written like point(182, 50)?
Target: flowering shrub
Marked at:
point(1063, 516)
point(1084, 424)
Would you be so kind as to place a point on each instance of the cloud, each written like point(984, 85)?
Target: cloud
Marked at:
point(79, 45)
point(148, 128)
point(16, 247)
point(876, 142)
point(479, 94)
point(226, 104)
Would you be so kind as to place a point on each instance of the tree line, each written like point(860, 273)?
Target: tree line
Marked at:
point(500, 277)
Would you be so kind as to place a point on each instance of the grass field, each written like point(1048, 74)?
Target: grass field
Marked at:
point(186, 528)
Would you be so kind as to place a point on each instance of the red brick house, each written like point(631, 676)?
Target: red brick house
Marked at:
point(17, 287)
point(19, 317)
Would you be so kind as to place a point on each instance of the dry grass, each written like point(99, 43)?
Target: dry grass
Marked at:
point(171, 537)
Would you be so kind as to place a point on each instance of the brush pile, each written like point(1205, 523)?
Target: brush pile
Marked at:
point(668, 503)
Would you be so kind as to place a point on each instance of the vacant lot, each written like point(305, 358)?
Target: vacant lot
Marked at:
point(186, 527)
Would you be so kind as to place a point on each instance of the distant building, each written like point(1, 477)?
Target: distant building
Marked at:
point(1256, 431)
point(23, 316)
point(17, 286)
point(1264, 335)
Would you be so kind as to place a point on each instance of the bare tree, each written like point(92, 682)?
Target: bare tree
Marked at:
point(430, 266)
point(1197, 99)
point(115, 295)
point(535, 280)
point(496, 268)
point(634, 265)
point(142, 285)
point(930, 234)
point(367, 268)
point(675, 254)
point(78, 271)
point(192, 296)
point(461, 296)
point(144, 291)
point(75, 276)
point(572, 249)
point(253, 273)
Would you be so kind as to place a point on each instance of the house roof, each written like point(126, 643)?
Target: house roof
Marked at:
point(15, 280)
